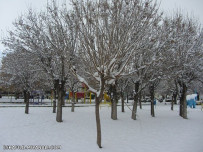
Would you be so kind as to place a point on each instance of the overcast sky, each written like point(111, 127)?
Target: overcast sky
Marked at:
point(11, 9)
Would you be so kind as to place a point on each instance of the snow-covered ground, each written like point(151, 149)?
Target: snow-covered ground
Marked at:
point(167, 132)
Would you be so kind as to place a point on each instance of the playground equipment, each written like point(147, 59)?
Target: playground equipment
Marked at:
point(191, 100)
point(106, 97)
point(84, 96)
point(107, 101)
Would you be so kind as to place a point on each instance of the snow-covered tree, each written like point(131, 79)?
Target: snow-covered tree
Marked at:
point(49, 36)
point(23, 71)
point(185, 54)
point(148, 62)
point(109, 35)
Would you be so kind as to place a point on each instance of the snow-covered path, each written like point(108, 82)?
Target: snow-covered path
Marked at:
point(167, 132)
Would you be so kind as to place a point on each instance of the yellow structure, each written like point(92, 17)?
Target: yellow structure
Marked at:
point(106, 97)
point(105, 103)
point(90, 97)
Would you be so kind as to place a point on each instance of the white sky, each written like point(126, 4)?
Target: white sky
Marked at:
point(11, 9)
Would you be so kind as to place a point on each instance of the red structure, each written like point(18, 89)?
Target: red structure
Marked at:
point(79, 95)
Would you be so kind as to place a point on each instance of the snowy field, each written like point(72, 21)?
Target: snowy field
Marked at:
point(167, 132)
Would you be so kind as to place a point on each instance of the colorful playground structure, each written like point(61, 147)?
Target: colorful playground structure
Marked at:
point(80, 95)
point(84, 96)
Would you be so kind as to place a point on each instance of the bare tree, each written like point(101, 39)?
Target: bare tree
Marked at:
point(23, 71)
point(109, 34)
point(48, 36)
point(184, 55)
point(147, 64)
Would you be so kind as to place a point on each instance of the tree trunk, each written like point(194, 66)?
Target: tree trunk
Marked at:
point(140, 99)
point(122, 102)
point(60, 101)
point(127, 97)
point(136, 94)
point(114, 110)
point(56, 85)
point(175, 98)
point(26, 99)
point(59, 105)
point(114, 103)
point(184, 110)
point(97, 101)
point(152, 100)
point(172, 102)
point(54, 101)
point(63, 95)
point(134, 112)
point(181, 105)
point(176, 92)
point(73, 102)
point(183, 102)
point(98, 122)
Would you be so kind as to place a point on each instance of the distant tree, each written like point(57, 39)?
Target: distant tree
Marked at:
point(185, 55)
point(23, 71)
point(123, 83)
point(73, 85)
point(147, 64)
point(168, 86)
point(48, 36)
